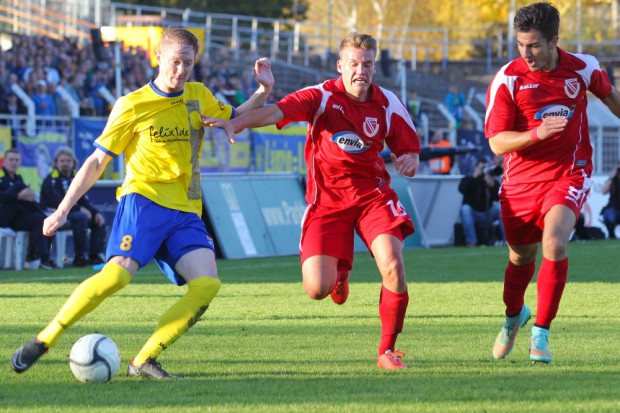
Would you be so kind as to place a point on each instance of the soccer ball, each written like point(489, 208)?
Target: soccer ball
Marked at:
point(94, 359)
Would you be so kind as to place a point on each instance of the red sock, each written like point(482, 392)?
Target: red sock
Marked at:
point(392, 310)
point(516, 280)
point(550, 285)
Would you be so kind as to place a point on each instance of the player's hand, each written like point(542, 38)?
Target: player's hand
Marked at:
point(551, 126)
point(221, 124)
point(53, 222)
point(262, 73)
point(406, 164)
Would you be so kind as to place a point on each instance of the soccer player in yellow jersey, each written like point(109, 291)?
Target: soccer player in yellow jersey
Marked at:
point(159, 130)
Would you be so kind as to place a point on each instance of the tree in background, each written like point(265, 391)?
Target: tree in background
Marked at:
point(467, 21)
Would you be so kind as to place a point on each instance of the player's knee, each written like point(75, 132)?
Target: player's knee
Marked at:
point(392, 271)
point(317, 291)
point(113, 277)
point(522, 254)
point(317, 295)
point(554, 248)
point(522, 259)
point(204, 288)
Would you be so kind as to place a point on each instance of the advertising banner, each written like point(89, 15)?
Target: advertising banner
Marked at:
point(38, 156)
point(279, 150)
point(254, 215)
point(219, 155)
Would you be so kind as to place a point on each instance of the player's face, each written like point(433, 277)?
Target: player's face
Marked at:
point(357, 67)
point(538, 53)
point(176, 62)
point(64, 164)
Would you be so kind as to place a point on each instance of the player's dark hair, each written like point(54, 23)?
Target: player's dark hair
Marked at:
point(359, 41)
point(179, 34)
point(542, 17)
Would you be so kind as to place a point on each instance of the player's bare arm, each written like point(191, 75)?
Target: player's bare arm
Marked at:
point(613, 101)
point(255, 118)
point(86, 177)
point(264, 77)
point(508, 141)
point(406, 164)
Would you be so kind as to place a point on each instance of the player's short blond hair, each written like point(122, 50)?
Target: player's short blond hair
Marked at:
point(358, 41)
point(180, 35)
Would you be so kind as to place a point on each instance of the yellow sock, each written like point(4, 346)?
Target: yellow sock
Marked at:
point(180, 317)
point(86, 297)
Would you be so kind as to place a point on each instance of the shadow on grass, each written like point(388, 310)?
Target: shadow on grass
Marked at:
point(594, 261)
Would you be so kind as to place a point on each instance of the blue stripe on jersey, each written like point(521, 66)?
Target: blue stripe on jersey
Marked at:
point(107, 151)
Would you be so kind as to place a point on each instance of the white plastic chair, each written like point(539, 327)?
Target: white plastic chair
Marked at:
point(60, 243)
point(15, 247)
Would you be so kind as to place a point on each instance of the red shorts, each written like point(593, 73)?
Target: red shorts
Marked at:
point(524, 206)
point(329, 230)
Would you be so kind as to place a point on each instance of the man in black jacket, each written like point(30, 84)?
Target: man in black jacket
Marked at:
point(83, 215)
point(611, 213)
point(20, 211)
point(480, 201)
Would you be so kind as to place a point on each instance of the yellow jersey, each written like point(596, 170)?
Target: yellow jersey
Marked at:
point(161, 135)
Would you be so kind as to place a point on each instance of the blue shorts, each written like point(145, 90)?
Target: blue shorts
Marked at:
point(143, 230)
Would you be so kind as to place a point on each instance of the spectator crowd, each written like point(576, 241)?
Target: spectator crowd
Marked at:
point(39, 65)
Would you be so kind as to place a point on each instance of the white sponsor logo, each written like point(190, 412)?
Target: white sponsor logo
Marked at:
point(338, 107)
point(529, 86)
point(571, 87)
point(371, 127)
point(555, 110)
point(350, 142)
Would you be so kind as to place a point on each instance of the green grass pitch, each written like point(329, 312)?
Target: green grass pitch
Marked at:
point(263, 346)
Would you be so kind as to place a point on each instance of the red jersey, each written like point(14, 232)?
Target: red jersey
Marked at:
point(345, 138)
point(519, 99)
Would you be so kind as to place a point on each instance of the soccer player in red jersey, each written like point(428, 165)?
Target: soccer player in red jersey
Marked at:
point(348, 189)
point(536, 117)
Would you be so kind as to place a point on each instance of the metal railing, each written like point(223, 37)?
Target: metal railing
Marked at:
point(301, 42)
point(285, 40)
